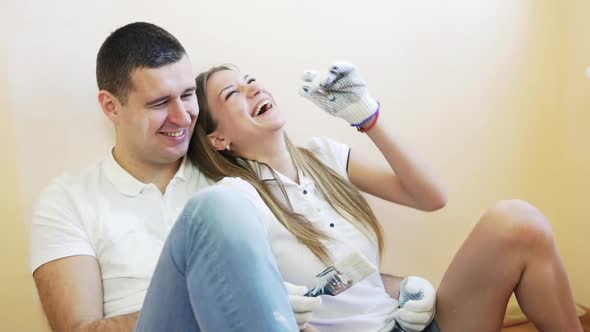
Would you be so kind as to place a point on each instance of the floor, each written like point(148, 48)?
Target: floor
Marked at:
point(530, 328)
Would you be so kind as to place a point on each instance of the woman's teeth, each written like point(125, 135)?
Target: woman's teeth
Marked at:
point(263, 107)
point(174, 134)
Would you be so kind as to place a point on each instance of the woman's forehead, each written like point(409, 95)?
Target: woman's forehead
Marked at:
point(225, 74)
point(219, 80)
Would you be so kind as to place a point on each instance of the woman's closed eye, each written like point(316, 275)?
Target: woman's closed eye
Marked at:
point(230, 94)
point(248, 79)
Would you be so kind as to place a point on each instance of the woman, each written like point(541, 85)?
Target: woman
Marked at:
point(313, 214)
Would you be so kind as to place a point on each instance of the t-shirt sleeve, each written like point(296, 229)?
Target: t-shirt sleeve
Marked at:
point(56, 231)
point(332, 153)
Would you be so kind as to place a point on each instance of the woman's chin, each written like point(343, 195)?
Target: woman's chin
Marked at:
point(277, 122)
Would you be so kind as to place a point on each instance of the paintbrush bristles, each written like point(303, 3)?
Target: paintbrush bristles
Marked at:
point(342, 275)
point(354, 267)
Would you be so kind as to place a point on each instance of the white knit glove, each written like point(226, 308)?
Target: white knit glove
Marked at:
point(341, 92)
point(417, 302)
point(302, 306)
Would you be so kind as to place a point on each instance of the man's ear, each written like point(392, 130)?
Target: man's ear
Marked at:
point(218, 142)
point(111, 106)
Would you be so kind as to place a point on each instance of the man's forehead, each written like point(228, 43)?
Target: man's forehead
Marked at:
point(164, 79)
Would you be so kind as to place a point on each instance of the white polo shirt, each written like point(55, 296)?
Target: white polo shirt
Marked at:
point(365, 306)
point(106, 213)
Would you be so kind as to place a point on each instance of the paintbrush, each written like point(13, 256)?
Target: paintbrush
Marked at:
point(342, 275)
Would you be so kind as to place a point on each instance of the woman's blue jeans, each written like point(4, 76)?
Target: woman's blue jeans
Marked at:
point(217, 272)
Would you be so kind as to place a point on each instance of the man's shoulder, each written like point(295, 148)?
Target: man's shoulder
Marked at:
point(198, 178)
point(59, 222)
point(77, 181)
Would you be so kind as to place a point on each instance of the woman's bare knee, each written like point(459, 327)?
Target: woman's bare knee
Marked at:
point(518, 225)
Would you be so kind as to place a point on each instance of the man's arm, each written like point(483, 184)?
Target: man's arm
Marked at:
point(120, 323)
point(71, 293)
point(392, 284)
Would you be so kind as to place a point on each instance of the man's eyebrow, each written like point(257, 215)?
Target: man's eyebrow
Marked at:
point(227, 87)
point(191, 89)
point(157, 100)
point(161, 99)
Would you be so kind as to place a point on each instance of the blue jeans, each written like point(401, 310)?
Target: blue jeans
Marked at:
point(217, 272)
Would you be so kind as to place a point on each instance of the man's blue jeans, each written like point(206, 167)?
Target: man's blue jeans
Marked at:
point(217, 272)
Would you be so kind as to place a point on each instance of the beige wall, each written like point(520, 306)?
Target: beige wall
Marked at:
point(573, 179)
point(486, 92)
point(559, 167)
point(18, 312)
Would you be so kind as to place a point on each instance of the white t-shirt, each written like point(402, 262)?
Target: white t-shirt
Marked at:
point(365, 306)
point(106, 213)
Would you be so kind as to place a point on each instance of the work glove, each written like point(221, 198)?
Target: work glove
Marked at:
point(341, 92)
point(417, 303)
point(302, 306)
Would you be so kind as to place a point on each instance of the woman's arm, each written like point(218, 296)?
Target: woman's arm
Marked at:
point(343, 93)
point(310, 328)
point(392, 284)
point(406, 182)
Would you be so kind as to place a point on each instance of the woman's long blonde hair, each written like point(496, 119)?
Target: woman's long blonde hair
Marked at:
point(338, 191)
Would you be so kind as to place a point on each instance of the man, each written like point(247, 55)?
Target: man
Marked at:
point(96, 236)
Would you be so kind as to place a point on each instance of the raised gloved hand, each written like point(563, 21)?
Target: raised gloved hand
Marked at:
point(302, 306)
point(417, 303)
point(341, 92)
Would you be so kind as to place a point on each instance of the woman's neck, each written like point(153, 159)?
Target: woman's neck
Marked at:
point(283, 163)
point(275, 153)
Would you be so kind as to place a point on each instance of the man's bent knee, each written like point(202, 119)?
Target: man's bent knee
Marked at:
point(224, 211)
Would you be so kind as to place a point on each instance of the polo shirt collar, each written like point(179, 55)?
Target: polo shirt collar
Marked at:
point(185, 170)
point(265, 174)
point(129, 185)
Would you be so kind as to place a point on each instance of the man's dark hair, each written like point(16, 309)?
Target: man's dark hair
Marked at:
point(133, 46)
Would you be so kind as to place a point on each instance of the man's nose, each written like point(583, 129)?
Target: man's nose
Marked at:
point(178, 114)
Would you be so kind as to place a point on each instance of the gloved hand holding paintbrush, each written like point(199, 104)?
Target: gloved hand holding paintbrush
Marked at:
point(417, 297)
point(332, 281)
